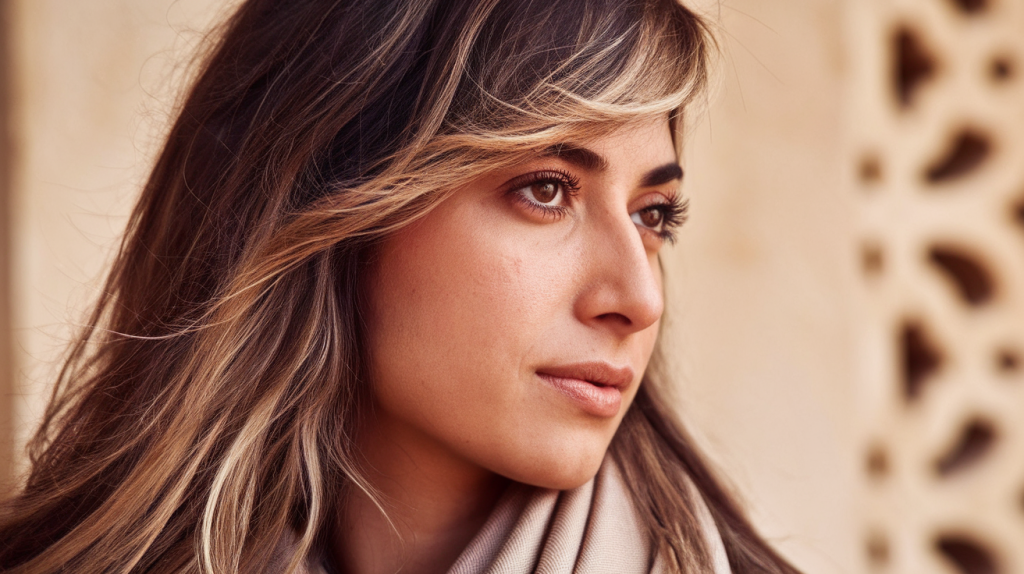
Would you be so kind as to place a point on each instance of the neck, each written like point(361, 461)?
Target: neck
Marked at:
point(436, 503)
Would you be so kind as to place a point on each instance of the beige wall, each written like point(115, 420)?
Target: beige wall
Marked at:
point(761, 310)
point(6, 340)
point(92, 86)
point(763, 283)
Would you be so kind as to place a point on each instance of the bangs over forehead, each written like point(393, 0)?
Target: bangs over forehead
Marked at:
point(538, 65)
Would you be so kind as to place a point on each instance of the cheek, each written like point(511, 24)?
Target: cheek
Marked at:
point(455, 305)
point(445, 285)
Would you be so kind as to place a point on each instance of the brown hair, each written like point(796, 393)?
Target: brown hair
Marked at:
point(207, 409)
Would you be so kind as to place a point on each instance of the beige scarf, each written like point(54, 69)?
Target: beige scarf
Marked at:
point(591, 529)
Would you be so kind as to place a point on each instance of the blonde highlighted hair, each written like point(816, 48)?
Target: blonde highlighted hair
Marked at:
point(207, 411)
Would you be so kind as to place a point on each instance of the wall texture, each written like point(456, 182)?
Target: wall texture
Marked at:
point(7, 371)
point(92, 85)
point(936, 134)
point(764, 312)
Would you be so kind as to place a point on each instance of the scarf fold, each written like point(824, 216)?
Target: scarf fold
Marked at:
point(590, 529)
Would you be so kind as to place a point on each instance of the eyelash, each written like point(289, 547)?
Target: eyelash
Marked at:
point(673, 213)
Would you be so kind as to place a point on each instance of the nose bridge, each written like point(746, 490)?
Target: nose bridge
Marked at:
point(622, 288)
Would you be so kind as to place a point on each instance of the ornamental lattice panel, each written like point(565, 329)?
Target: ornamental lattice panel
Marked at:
point(936, 158)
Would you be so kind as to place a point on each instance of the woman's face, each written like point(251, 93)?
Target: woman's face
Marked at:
point(509, 328)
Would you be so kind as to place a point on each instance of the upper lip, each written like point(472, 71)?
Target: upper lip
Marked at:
point(598, 373)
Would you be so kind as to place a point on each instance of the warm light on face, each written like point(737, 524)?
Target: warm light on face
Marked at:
point(509, 328)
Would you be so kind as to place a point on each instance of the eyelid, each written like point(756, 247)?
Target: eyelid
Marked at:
point(656, 198)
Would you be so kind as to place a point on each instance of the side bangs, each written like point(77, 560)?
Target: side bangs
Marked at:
point(612, 62)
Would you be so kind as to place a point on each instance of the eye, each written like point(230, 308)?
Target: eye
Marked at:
point(649, 217)
point(662, 218)
point(547, 189)
point(544, 192)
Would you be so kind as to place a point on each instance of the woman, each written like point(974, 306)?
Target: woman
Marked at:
point(389, 301)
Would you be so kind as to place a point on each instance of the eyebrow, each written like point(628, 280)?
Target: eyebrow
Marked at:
point(579, 156)
point(593, 161)
point(663, 174)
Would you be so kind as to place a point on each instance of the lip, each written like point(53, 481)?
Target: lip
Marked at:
point(595, 387)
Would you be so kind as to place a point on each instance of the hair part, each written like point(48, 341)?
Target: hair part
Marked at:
point(207, 411)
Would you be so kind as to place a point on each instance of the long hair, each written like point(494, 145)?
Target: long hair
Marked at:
point(207, 410)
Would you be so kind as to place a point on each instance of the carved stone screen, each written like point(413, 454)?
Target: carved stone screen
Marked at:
point(936, 116)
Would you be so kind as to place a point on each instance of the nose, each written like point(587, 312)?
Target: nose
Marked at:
point(621, 289)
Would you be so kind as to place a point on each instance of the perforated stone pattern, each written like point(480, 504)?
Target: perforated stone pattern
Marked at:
point(936, 131)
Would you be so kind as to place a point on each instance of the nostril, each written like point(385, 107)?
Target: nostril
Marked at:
point(615, 317)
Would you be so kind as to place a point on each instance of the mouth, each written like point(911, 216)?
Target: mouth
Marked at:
point(595, 388)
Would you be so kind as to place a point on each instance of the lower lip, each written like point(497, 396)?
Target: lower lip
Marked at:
point(594, 400)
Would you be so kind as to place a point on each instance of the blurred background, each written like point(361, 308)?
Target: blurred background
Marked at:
point(846, 306)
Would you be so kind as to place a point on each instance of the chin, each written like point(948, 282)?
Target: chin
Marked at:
point(568, 482)
point(558, 468)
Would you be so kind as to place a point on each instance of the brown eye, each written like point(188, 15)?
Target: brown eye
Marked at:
point(650, 218)
point(548, 191)
point(544, 191)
